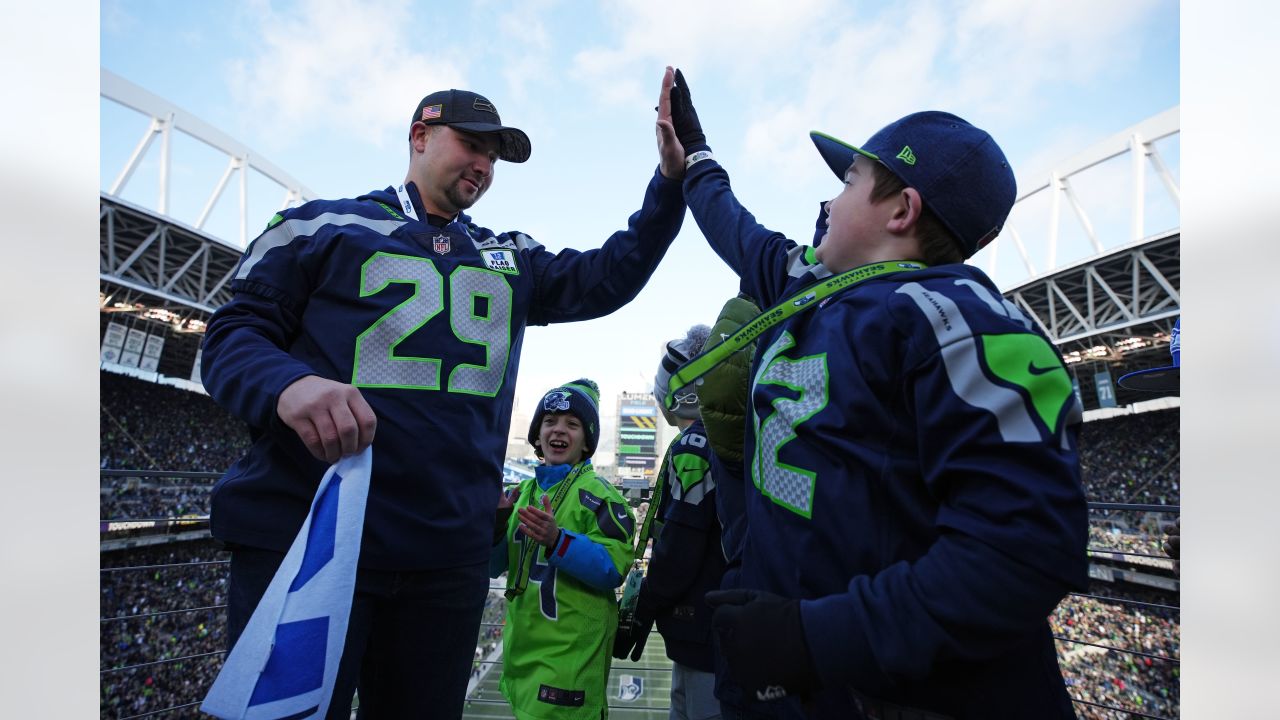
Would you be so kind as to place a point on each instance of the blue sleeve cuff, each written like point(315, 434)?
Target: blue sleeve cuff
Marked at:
point(585, 560)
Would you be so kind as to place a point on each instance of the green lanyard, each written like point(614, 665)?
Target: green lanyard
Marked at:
point(642, 538)
point(705, 362)
point(529, 548)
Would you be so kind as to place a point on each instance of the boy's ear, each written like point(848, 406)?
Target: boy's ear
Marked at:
point(907, 209)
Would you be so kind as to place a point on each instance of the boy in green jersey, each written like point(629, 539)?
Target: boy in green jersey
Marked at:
point(565, 549)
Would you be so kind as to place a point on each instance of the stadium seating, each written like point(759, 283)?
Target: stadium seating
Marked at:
point(163, 605)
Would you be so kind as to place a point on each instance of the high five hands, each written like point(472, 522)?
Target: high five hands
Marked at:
point(678, 128)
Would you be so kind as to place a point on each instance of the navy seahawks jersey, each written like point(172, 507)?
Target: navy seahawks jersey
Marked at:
point(687, 558)
point(427, 321)
point(912, 476)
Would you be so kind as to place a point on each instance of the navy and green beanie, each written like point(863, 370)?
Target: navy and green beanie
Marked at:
point(580, 398)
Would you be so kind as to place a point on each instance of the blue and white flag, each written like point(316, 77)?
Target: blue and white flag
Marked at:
point(286, 660)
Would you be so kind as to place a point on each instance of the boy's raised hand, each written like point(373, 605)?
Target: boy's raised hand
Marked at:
point(683, 117)
point(670, 151)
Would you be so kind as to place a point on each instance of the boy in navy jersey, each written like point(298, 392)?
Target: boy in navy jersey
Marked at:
point(687, 558)
point(914, 510)
point(394, 312)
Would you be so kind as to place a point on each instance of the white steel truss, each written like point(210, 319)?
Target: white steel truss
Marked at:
point(165, 119)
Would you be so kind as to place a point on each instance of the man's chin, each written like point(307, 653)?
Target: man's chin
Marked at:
point(464, 201)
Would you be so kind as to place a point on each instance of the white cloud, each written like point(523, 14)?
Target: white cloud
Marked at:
point(746, 38)
point(116, 19)
point(524, 46)
point(341, 65)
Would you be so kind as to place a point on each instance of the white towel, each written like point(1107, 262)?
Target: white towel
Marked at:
point(286, 660)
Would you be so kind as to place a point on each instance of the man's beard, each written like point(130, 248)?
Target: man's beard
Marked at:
point(458, 197)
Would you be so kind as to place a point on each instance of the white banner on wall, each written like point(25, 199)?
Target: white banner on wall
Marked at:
point(195, 368)
point(113, 342)
point(151, 353)
point(134, 341)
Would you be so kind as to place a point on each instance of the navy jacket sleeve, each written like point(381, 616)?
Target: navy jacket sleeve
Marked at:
point(581, 285)
point(245, 363)
point(678, 552)
point(754, 252)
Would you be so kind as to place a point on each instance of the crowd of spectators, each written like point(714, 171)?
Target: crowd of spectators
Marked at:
point(1141, 683)
point(148, 426)
point(138, 498)
point(1132, 458)
point(159, 605)
point(162, 634)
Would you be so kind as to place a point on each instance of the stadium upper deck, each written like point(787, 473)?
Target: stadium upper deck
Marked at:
point(1104, 285)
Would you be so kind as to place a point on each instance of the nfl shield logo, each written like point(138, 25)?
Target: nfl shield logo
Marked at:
point(441, 244)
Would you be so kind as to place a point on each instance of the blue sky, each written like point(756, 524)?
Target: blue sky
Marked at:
point(323, 89)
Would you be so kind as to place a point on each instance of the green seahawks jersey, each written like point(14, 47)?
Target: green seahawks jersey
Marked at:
point(559, 631)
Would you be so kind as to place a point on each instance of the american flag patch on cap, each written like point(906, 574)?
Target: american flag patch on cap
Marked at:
point(431, 112)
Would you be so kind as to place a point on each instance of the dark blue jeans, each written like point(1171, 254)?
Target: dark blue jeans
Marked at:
point(411, 638)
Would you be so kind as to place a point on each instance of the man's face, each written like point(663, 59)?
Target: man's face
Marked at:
point(457, 169)
point(852, 219)
point(562, 439)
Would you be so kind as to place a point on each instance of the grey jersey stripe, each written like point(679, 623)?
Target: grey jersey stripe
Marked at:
point(285, 232)
point(696, 493)
point(960, 357)
point(999, 307)
point(798, 265)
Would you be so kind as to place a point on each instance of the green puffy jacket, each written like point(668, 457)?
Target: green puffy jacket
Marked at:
point(722, 397)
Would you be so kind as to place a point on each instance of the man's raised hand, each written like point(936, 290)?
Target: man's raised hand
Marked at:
point(670, 151)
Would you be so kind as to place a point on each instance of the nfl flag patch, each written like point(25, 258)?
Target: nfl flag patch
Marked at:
point(503, 261)
point(441, 244)
point(286, 661)
point(432, 112)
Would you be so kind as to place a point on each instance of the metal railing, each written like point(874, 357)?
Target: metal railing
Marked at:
point(211, 659)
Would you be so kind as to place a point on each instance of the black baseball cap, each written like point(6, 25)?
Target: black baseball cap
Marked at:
point(468, 111)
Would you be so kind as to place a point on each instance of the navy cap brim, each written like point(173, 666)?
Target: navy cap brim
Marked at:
point(1161, 379)
point(838, 153)
point(513, 145)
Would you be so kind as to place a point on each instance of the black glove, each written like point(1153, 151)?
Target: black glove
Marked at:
point(683, 117)
point(632, 636)
point(762, 640)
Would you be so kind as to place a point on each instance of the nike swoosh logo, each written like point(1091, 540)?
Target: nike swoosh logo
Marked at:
point(1031, 368)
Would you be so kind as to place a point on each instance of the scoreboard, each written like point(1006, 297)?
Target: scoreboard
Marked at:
point(637, 440)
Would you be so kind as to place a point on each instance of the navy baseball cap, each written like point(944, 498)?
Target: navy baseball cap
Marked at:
point(468, 111)
point(1161, 379)
point(960, 172)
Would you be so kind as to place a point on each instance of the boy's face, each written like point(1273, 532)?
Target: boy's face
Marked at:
point(562, 439)
point(853, 222)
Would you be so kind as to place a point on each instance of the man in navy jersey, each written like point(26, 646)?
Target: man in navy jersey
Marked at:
point(394, 315)
point(914, 509)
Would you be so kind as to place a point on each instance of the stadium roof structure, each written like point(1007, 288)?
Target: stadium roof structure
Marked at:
point(1108, 298)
